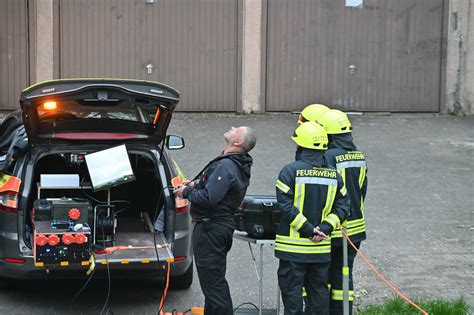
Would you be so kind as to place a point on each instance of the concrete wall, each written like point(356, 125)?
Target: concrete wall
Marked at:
point(460, 58)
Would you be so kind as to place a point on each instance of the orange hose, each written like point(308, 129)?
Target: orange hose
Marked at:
point(163, 297)
point(157, 115)
point(382, 278)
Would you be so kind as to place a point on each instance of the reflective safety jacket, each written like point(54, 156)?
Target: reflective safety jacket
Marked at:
point(309, 194)
point(351, 165)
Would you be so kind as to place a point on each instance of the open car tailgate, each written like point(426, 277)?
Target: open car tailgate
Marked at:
point(131, 109)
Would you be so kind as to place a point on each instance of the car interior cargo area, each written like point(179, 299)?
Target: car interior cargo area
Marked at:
point(107, 211)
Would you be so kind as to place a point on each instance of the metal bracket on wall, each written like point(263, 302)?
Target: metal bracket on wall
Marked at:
point(352, 69)
point(149, 68)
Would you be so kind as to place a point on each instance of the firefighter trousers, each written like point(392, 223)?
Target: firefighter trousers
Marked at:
point(292, 276)
point(211, 243)
point(335, 278)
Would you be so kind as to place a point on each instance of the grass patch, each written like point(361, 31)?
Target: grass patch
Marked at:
point(398, 306)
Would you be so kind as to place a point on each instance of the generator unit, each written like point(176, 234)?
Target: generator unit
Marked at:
point(62, 231)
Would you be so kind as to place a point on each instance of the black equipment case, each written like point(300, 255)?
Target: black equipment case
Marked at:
point(258, 216)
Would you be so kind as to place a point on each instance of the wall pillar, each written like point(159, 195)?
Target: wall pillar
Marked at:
point(252, 93)
point(44, 41)
point(460, 58)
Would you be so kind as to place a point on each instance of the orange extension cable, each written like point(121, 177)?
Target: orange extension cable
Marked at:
point(382, 278)
point(163, 297)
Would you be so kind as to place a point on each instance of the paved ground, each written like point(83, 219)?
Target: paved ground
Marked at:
point(420, 210)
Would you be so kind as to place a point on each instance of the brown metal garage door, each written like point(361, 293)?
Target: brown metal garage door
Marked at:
point(13, 52)
point(188, 44)
point(383, 56)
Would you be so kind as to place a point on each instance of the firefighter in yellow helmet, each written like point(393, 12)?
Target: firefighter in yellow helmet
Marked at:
point(312, 112)
point(351, 165)
point(313, 201)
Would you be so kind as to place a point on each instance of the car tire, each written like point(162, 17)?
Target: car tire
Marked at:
point(183, 281)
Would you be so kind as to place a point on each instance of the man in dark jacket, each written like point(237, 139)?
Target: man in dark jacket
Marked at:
point(350, 163)
point(215, 197)
point(313, 202)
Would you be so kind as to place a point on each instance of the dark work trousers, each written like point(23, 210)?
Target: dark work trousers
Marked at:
point(211, 243)
point(335, 278)
point(292, 276)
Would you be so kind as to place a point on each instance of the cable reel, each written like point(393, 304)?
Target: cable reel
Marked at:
point(105, 223)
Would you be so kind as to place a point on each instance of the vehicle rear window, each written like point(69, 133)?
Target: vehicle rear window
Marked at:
point(83, 109)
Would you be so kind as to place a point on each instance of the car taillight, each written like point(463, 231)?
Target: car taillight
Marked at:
point(14, 260)
point(179, 258)
point(8, 201)
point(182, 205)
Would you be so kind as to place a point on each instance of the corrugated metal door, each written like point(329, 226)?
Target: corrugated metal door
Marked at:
point(384, 56)
point(188, 44)
point(14, 72)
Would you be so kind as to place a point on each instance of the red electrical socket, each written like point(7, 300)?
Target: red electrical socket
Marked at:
point(41, 240)
point(74, 214)
point(53, 239)
point(80, 238)
point(67, 239)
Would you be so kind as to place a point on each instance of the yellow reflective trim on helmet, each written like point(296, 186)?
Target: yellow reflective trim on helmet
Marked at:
point(280, 185)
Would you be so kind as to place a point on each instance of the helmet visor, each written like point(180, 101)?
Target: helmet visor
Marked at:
point(302, 119)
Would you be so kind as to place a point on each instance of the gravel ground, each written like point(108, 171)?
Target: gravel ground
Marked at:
point(419, 208)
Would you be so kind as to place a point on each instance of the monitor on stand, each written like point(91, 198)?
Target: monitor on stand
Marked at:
point(109, 168)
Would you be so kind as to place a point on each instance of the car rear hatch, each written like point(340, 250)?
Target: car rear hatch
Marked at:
point(87, 110)
point(97, 109)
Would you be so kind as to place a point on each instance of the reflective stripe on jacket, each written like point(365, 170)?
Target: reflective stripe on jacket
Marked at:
point(352, 167)
point(309, 194)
